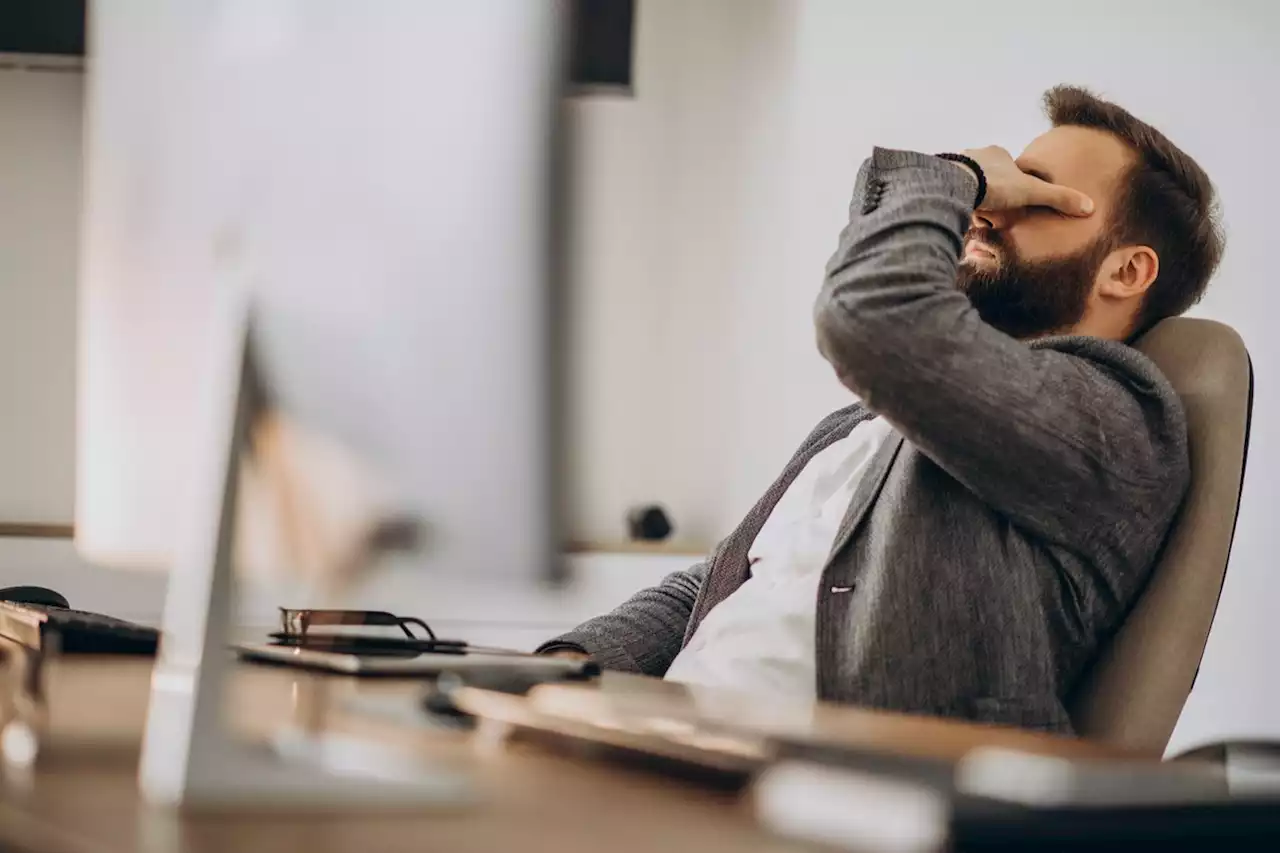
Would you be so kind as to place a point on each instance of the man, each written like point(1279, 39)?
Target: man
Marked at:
point(962, 540)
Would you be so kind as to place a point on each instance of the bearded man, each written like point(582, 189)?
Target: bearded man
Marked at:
point(962, 539)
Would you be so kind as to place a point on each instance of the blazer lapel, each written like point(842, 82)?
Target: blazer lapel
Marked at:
point(864, 496)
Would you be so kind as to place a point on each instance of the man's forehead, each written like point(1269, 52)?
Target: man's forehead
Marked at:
point(1082, 158)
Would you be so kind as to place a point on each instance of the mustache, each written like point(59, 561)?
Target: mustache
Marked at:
point(988, 236)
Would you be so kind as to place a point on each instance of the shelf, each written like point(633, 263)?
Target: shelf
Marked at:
point(35, 530)
point(622, 546)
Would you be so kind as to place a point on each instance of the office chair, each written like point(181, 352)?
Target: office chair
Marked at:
point(1135, 688)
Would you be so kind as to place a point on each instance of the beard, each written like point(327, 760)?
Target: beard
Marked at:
point(1029, 299)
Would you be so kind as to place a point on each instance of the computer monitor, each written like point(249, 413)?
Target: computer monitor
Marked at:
point(381, 175)
point(370, 188)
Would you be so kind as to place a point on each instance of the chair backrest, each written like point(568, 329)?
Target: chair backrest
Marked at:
point(1135, 689)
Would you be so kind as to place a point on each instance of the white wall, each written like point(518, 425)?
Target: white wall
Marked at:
point(674, 261)
point(39, 205)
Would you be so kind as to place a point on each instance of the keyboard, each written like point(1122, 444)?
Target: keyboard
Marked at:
point(74, 631)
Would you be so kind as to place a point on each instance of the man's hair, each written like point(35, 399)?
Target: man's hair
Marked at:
point(1167, 202)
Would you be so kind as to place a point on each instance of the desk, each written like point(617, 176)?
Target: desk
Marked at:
point(83, 798)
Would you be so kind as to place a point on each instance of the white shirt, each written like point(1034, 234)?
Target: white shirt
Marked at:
point(762, 638)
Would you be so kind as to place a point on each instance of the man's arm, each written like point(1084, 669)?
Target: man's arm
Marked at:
point(644, 634)
point(1047, 438)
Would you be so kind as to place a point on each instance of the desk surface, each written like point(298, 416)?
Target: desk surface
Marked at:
point(83, 794)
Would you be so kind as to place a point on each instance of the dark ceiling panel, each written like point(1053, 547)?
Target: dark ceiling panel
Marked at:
point(602, 43)
point(42, 26)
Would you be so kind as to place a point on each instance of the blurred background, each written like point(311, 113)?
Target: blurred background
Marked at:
point(711, 171)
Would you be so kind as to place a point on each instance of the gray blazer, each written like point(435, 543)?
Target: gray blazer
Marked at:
point(1008, 522)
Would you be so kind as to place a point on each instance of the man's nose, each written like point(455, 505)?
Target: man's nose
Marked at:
point(994, 220)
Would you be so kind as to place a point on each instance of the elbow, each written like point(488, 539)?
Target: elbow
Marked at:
point(838, 339)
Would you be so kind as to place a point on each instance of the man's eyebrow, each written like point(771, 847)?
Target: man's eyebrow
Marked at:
point(1036, 173)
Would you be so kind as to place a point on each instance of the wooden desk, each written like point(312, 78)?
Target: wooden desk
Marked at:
point(83, 797)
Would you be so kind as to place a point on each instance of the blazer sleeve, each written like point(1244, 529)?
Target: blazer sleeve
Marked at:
point(1057, 442)
point(643, 634)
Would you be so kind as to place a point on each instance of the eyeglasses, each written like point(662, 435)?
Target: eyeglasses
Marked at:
point(296, 623)
point(297, 630)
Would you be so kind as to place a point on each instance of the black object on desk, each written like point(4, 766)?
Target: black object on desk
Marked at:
point(44, 627)
point(41, 595)
point(1243, 824)
point(371, 646)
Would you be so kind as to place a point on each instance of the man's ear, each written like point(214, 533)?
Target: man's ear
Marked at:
point(1128, 272)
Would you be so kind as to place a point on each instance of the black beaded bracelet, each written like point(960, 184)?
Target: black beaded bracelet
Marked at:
point(977, 171)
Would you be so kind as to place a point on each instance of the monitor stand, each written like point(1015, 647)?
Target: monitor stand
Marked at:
point(189, 757)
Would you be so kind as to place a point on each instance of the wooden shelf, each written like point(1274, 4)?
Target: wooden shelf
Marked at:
point(622, 546)
point(35, 530)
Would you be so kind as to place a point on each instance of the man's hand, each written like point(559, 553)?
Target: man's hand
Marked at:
point(1009, 187)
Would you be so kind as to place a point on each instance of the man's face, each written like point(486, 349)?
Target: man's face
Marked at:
point(1032, 271)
